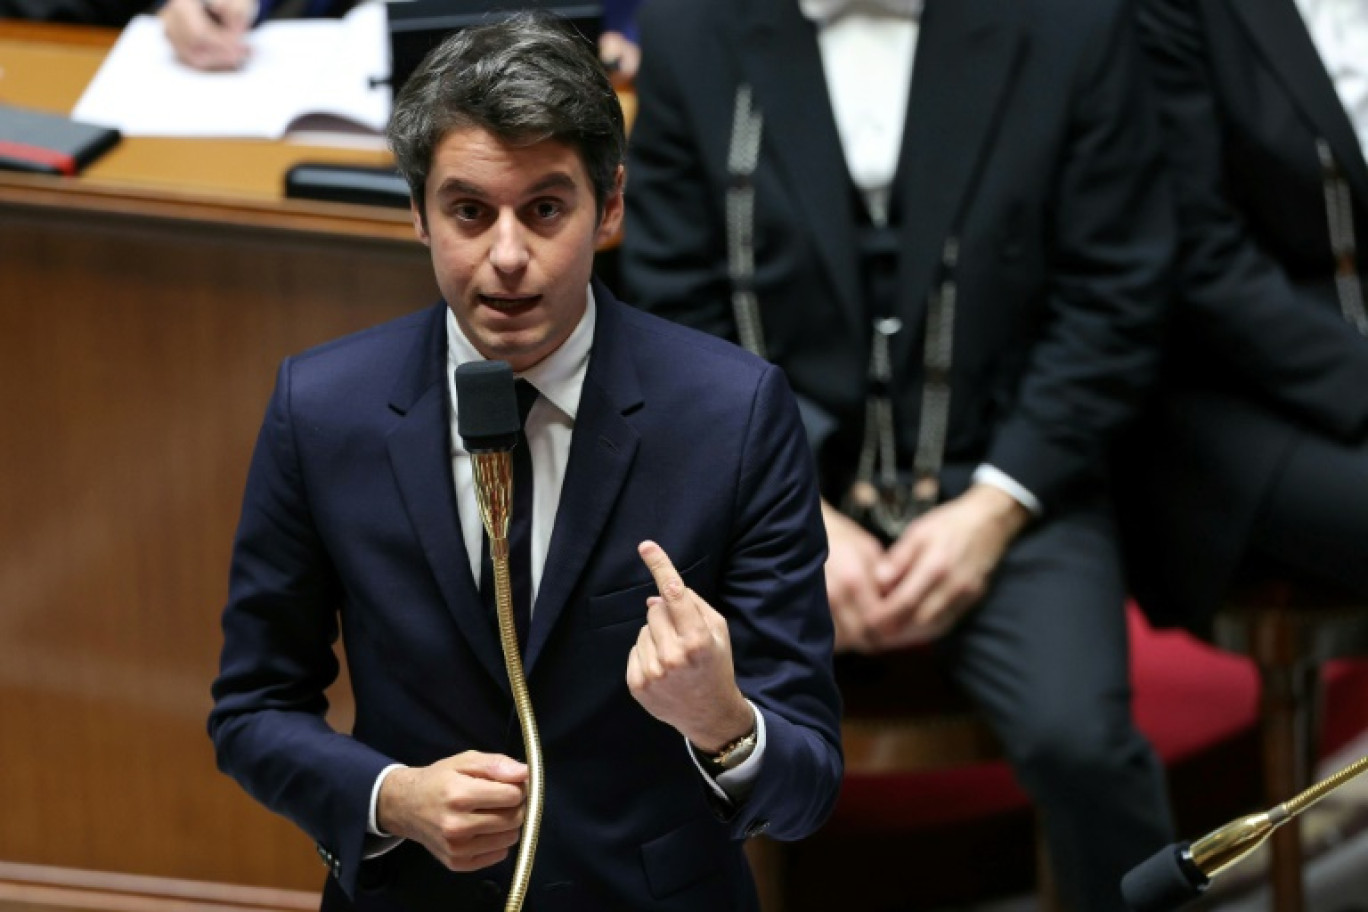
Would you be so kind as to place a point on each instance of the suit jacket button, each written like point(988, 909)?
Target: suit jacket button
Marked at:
point(757, 827)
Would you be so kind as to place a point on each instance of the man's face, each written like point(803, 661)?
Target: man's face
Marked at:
point(512, 231)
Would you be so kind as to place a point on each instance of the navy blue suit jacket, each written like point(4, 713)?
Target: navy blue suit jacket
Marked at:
point(350, 525)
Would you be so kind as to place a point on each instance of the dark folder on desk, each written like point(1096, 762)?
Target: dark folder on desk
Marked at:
point(367, 185)
point(49, 143)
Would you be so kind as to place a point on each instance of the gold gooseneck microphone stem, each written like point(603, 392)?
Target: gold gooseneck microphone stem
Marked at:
point(1295, 806)
point(1222, 848)
point(494, 491)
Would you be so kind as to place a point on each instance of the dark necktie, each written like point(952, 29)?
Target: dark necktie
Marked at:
point(519, 528)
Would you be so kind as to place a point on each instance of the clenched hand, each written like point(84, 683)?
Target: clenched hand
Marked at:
point(466, 810)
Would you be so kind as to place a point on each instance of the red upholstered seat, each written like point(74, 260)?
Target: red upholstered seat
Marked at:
point(1191, 699)
point(966, 833)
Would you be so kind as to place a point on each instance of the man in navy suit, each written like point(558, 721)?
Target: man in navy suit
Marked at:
point(680, 711)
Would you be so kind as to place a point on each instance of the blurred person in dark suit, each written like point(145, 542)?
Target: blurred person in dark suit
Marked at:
point(951, 228)
point(211, 34)
point(680, 711)
point(1253, 458)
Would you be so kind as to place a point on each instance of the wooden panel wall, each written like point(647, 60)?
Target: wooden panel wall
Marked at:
point(136, 357)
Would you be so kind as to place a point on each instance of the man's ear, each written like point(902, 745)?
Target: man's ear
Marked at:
point(419, 222)
point(613, 207)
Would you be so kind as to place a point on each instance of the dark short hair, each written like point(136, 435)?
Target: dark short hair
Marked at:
point(524, 78)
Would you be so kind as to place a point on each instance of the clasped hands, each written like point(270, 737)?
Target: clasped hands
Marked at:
point(468, 810)
point(918, 588)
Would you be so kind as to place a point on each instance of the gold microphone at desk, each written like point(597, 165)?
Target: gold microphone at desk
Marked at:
point(487, 412)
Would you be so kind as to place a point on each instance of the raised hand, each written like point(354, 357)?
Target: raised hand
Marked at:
point(680, 669)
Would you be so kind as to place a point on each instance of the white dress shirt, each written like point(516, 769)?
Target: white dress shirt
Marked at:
point(1339, 30)
point(559, 378)
point(868, 50)
point(550, 425)
point(867, 59)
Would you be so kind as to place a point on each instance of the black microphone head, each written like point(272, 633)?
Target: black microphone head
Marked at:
point(1165, 881)
point(486, 406)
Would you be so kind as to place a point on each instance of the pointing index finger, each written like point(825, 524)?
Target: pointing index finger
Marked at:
point(667, 579)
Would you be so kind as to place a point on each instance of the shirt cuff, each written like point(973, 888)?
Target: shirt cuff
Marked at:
point(735, 784)
point(378, 842)
point(995, 477)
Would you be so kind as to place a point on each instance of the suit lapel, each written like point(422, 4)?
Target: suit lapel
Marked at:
point(420, 456)
point(966, 53)
point(777, 49)
point(1280, 33)
point(601, 452)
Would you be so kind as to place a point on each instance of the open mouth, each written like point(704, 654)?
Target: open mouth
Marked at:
point(510, 305)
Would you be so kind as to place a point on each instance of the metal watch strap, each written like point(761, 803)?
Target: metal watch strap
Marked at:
point(734, 754)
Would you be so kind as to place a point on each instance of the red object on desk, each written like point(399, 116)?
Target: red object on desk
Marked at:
point(36, 158)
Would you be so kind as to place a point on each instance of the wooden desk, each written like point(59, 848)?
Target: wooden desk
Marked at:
point(239, 181)
point(143, 309)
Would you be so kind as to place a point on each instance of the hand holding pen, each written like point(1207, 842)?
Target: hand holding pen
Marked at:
point(209, 34)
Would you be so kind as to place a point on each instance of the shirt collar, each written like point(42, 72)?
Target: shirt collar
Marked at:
point(559, 377)
point(823, 11)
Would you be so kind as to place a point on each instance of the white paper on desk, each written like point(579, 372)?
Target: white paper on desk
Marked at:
point(298, 68)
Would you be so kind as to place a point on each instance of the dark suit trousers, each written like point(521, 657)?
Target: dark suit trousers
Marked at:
point(1046, 657)
point(1314, 521)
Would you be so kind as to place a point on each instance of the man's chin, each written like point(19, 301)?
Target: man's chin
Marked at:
point(520, 349)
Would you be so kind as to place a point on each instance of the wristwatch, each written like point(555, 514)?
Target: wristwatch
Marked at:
point(730, 755)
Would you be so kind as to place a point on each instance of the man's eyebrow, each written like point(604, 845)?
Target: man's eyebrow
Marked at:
point(455, 186)
point(558, 180)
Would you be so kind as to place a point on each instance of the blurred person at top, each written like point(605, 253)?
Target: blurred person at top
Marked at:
point(212, 34)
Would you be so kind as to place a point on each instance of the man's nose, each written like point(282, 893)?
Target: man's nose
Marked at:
point(508, 252)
